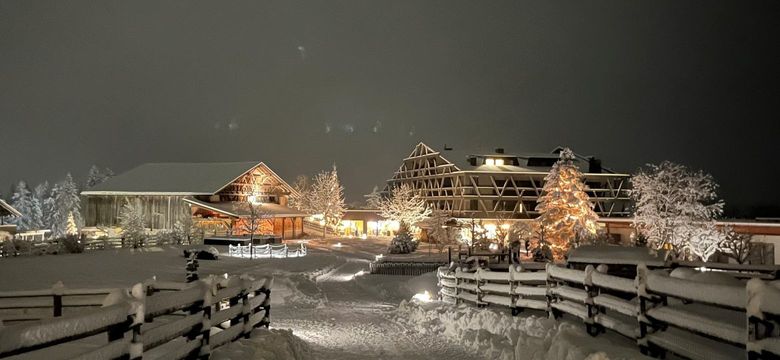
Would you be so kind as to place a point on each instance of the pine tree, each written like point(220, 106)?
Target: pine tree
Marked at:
point(565, 210)
point(50, 207)
point(71, 229)
point(24, 201)
point(66, 202)
point(131, 220)
point(97, 176)
point(327, 198)
point(41, 193)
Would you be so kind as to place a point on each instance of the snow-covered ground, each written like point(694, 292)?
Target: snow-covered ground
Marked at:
point(334, 309)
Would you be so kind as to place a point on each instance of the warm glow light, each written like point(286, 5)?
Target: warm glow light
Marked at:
point(499, 162)
point(493, 246)
point(505, 226)
point(379, 257)
point(490, 161)
point(337, 245)
point(423, 296)
point(363, 236)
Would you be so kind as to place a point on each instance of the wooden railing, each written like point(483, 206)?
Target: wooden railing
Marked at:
point(195, 318)
point(267, 251)
point(661, 313)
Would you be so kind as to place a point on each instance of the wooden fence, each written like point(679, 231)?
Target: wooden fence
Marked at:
point(267, 251)
point(154, 320)
point(402, 268)
point(661, 313)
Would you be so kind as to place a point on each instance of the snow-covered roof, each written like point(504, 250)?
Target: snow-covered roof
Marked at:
point(460, 158)
point(177, 179)
point(6, 209)
point(240, 209)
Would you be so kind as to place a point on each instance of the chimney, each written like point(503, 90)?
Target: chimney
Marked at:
point(499, 150)
point(594, 165)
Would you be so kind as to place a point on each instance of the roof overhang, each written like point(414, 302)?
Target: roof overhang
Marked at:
point(142, 193)
point(231, 209)
point(6, 209)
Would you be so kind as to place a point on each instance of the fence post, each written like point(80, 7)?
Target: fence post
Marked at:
point(755, 315)
point(548, 295)
point(641, 292)
point(138, 293)
point(57, 290)
point(246, 311)
point(591, 326)
point(266, 306)
point(210, 289)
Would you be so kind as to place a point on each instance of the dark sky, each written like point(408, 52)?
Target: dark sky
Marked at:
point(122, 83)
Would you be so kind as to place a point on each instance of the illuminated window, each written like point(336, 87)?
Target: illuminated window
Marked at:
point(499, 162)
point(490, 162)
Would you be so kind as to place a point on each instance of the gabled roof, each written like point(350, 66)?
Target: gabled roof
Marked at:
point(179, 179)
point(6, 209)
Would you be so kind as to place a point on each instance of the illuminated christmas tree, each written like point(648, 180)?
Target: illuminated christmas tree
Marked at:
point(565, 211)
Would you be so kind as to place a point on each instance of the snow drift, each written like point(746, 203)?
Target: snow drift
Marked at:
point(496, 335)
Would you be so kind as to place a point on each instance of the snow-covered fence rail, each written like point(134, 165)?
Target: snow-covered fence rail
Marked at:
point(402, 268)
point(39, 304)
point(691, 318)
point(518, 288)
point(196, 318)
point(267, 251)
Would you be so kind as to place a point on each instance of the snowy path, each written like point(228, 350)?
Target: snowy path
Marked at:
point(343, 315)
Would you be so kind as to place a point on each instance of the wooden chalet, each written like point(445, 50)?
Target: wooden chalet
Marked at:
point(216, 195)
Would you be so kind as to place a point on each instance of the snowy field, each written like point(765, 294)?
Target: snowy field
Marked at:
point(326, 306)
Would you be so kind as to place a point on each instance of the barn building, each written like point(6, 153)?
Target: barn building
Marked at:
point(215, 195)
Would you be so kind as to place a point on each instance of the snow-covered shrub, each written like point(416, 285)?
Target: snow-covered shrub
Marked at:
point(71, 244)
point(403, 243)
point(131, 219)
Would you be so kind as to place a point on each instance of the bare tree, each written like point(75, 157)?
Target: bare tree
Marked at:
point(326, 198)
point(672, 205)
point(735, 245)
point(443, 230)
point(404, 205)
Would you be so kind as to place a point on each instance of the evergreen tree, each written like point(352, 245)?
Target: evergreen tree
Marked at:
point(565, 210)
point(49, 207)
point(24, 201)
point(97, 176)
point(66, 203)
point(131, 220)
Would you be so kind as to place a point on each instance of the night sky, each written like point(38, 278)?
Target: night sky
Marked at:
point(303, 85)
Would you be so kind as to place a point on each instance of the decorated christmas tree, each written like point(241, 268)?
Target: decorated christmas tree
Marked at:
point(565, 210)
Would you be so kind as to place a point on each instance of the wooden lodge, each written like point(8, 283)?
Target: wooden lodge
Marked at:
point(217, 196)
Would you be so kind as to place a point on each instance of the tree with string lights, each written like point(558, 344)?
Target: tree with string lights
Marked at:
point(565, 211)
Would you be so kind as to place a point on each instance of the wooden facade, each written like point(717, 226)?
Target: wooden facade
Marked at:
point(497, 193)
point(217, 211)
